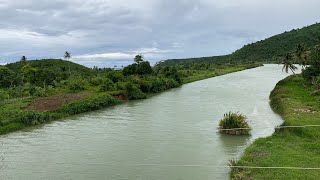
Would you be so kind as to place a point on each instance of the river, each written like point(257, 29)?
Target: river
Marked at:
point(170, 136)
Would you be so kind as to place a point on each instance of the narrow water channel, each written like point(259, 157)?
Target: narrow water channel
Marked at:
point(170, 136)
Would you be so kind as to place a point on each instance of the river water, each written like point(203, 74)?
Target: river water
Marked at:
point(170, 136)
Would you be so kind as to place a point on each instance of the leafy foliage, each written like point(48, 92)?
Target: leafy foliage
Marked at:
point(234, 124)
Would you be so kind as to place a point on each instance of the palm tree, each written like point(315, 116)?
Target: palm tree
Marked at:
point(138, 58)
point(67, 55)
point(301, 54)
point(287, 63)
point(23, 60)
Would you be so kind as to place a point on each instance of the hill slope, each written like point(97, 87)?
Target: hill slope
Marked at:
point(267, 50)
point(55, 65)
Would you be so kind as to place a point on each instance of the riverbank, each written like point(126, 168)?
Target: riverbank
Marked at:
point(20, 113)
point(288, 147)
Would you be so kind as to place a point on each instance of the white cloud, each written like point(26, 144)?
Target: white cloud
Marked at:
point(117, 55)
point(152, 50)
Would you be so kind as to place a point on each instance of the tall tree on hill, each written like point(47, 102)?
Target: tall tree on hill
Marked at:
point(23, 60)
point(67, 56)
point(288, 63)
point(138, 59)
point(301, 54)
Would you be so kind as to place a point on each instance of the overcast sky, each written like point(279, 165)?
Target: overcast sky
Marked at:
point(110, 32)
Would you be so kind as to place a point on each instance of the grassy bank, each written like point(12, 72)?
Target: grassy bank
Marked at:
point(16, 114)
point(289, 147)
point(204, 74)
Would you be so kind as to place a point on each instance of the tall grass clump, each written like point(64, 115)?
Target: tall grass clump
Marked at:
point(234, 124)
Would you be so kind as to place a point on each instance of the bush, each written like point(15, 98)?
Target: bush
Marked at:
point(30, 118)
point(232, 124)
point(94, 103)
point(77, 84)
point(134, 91)
point(4, 95)
point(157, 85)
point(310, 72)
point(107, 85)
point(96, 81)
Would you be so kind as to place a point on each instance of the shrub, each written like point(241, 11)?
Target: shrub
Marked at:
point(77, 84)
point(4, 95)
point(311, 72)
point(93, 103)
point(134, 91)
point(30, 118)
point(157, 85)
point(96, 81)
point(234, 124)
point(107, 85)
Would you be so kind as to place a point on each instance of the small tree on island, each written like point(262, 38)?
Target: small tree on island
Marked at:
point(234, 124)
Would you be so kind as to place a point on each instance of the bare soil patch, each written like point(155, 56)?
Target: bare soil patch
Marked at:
point(53, 103)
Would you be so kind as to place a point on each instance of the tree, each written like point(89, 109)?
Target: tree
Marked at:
point(30, 74)
point(67, 55)
point(130, 70)
point(301, 54)
point(287, 63)
point(6, 77)
point(144, 68)
point(23, 60)
point(138, 59)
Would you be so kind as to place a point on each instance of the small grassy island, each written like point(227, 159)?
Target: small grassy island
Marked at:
point(234, 124)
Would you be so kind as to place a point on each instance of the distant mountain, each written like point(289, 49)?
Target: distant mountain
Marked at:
point(268, 50)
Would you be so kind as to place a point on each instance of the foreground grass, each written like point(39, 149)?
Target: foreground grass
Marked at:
point(289, 147)
point(14, 116)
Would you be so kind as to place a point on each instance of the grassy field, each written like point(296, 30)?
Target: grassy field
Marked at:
point(289, 147)
point(16, 114)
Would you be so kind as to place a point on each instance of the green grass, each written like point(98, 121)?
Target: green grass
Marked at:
point(289, 147)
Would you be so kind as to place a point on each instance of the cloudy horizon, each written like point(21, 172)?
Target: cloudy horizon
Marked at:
point(105, 33)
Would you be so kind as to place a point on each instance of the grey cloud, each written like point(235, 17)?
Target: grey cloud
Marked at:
point(180, 28)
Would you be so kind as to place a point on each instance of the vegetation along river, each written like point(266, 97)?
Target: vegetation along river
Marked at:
point(172, 135)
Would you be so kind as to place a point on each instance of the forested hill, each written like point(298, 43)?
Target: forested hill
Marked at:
point(201, 60)
point(53, 65)
point(268, 50)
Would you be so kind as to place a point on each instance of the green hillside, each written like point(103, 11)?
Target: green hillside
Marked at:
point(55, 65)
point(201, 60)
point(268, 50)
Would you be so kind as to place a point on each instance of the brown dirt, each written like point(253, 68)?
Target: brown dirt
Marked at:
point(54, 102)
point(121, 96)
